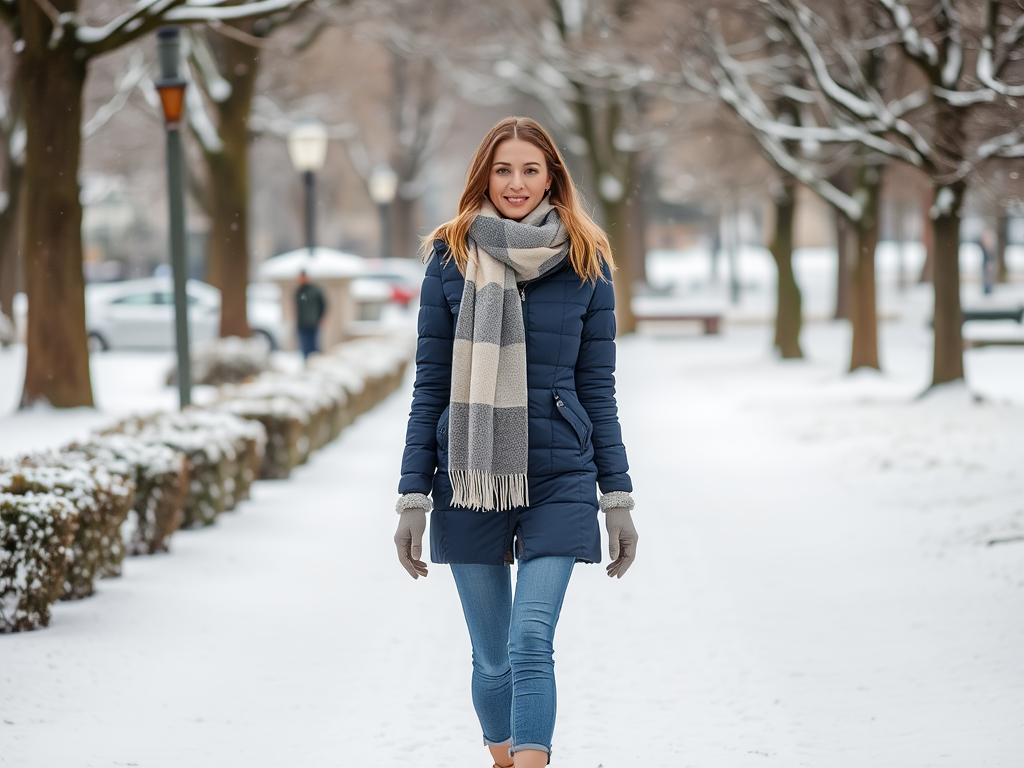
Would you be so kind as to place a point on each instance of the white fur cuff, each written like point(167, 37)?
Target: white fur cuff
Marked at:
point(413, 501)
point(617, 500)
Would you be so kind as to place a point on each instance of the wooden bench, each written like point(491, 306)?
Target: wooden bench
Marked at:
point(992, 314)
point(712, 321)
point(1017, 315)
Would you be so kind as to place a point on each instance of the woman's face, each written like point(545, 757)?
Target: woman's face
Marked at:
point(518, 179)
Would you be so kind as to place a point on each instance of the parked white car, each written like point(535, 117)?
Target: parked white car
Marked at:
point(139, 314)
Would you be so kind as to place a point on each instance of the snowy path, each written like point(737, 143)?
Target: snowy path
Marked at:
point(813, 589)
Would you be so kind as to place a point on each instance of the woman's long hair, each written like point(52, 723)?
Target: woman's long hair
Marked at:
point(588, 244)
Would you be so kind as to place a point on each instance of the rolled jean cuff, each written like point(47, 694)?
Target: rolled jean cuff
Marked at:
point(539, 747)
point(502, 743)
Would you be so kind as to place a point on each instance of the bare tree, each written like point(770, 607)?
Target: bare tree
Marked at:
point(424, 78)
point(767, 91)
point(54, 49)
point(594, 67)
point(225, 59)
point(948, 127)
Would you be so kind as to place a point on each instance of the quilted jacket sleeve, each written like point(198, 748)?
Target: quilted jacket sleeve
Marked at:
point(432, 389)
point(595, 386)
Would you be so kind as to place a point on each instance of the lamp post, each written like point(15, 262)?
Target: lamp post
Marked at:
point(307, 146)
point(172, 98)
point(383, 186)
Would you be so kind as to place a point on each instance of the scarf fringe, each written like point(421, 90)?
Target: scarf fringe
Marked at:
point(483, 491)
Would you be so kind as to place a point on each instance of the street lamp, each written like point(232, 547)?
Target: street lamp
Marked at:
point(383, 186)
point(307, 146)
point(171, 87)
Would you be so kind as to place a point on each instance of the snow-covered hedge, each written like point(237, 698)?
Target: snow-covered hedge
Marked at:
point(248, 439)
point(349, 377)
point(285, 425)
point(380, 360)
point(210, 457)
point(223, 453)
point(36, 530)
point(226, 361)
point(101, 500)
point(161, 485)
point(320, 403)
point(69, 517)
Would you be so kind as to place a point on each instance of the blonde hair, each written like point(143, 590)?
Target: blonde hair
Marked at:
point(588, 244)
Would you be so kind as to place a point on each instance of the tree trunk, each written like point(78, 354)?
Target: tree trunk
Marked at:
point(10, 240)
point(788, 312)
point(845, 247)
point(928, 237)
point(863, 312)
point(716, 243)
point(606, 161)
point(1002, 223)
point(638, 212)
point(228, 255)
point(57, 360)
point(616, 225)
point(10, 217)
point(844, 233)
point(948, 362)
point(404, 231)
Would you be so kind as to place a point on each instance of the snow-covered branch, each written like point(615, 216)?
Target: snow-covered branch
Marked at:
point(201, 122)
point(126, 23)
point(56, 21)
point(1010, 38)
point(796, 17)
point(914, 43)
point(986, 65)
point(793, 14)
point(964, 98)
point(999, 146)
point(204, 68)
point(732, 88)
point(734, 85)
point(909, 103)
point(954, 50)
point(129, 82)
point(147, 15)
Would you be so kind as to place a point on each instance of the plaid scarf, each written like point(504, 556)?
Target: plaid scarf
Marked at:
point(488, 442)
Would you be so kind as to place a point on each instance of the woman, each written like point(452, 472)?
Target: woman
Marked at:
point(514, 424)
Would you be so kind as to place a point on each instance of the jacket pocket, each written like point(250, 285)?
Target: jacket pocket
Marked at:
point(442, 430)
point(571, 410)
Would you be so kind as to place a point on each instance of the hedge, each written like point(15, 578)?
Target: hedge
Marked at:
point(69, 517)
point(36, 531)
point(101, 500)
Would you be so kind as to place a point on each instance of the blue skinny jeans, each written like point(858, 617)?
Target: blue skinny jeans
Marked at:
point(309, 340)
point(513, 670)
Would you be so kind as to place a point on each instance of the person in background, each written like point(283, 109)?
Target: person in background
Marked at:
point(514, 425)
point(310, 307)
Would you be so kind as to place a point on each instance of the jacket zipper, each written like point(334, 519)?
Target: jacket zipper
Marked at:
point(522, 292)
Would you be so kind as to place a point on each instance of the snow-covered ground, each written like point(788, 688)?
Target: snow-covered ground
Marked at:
point(830, 575)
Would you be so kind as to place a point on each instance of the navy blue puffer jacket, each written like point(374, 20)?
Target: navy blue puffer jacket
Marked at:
point(575, 443)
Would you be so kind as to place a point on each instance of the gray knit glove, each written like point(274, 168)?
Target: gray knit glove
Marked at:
point(412, 511)
point(622, 535)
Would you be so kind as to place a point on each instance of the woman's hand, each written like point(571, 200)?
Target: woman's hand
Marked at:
point(622, 538)
point(409, 540)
